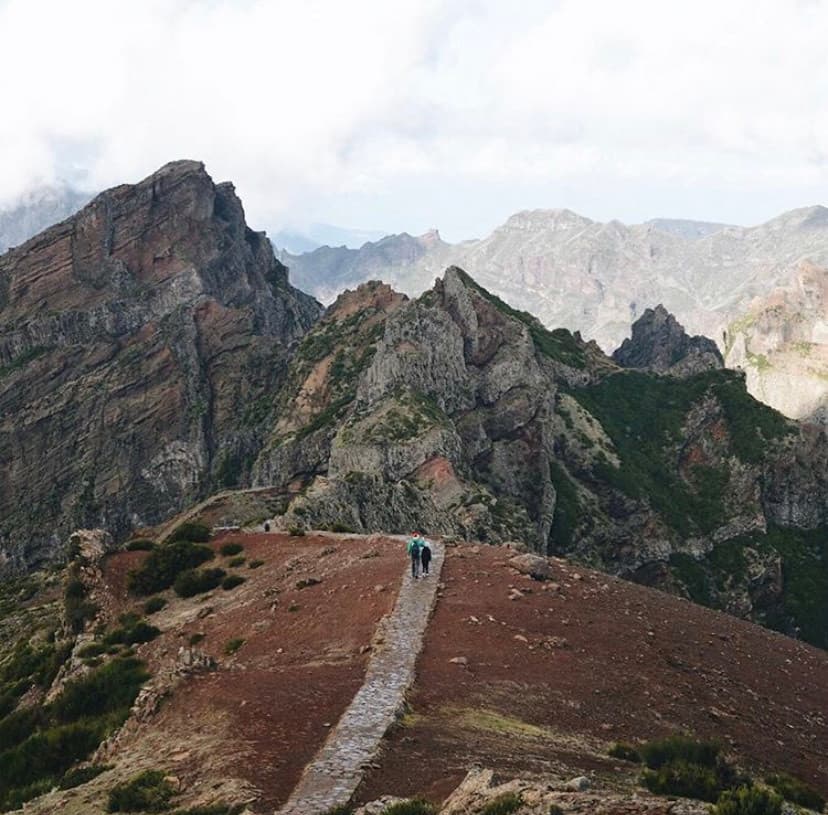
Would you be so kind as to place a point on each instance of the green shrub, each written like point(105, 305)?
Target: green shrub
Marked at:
point(190, 531)
point(81, 775)
point(307, 582)
point(748, 801)
point(194, 581)
point(235, 562)
point(18, 726)
point(229, 549)
point(109, 689)
point(77, 608)
point(626, 752)
point(554, 809)
point(164, 564)
point(685, 779)
point(340, 527)
point(196, 638)
point(796, 791)
point(233, 645)
point(140, 545)
point(503, 804)
point(659, 752)
point(147, 792)
point(341, 809)
point(297, 531)
point(154, 604)
point(132, 632)
point(416, 806)
point(254, 564)
point(94, 649)
point(231, 581)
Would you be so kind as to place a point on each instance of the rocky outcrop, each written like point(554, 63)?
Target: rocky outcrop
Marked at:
point(138, 340)
point(781, 343)
point(661, 345)
point(466, 417)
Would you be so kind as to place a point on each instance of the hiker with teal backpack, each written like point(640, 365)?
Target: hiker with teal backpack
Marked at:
point(414, 547)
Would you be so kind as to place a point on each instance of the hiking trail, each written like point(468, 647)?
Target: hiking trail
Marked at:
point(335, 772)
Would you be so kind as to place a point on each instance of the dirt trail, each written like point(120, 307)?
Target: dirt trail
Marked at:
point(336, 771)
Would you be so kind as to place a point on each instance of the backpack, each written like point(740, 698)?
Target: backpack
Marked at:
point(414, 551)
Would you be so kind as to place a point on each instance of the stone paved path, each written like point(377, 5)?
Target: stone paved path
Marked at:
point(335, 772)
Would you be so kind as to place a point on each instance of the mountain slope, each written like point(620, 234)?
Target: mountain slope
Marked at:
point(781, 342)
point(133, 337)
point(458, 414)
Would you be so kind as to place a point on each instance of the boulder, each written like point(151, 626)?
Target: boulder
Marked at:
point(535, 566)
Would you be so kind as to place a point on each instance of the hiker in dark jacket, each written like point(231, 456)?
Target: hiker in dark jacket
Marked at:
point(414, 548)
point(425, 555)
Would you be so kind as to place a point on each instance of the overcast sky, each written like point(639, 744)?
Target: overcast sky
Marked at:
point(410, 114)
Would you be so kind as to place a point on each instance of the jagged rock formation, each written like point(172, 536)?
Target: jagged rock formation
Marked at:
point(135, 338)
point(781, 342)
point(38, 209)
point(660, 344)
point(457, 414)
point(597, 278)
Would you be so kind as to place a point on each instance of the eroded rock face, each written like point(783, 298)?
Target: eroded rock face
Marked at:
point(136, 339)
point(660, 344)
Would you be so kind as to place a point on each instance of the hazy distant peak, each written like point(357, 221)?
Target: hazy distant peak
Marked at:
point(807, 217)
point(556, 219)
point(685, 228)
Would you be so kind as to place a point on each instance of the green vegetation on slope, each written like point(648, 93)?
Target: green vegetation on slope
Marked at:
point(38, 745)
point(643, 415)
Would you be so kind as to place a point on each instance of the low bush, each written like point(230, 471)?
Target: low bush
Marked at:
point(147, 792)
point(340, 527)
point(626, 752)
point(132, 631)
point(82, 775)
point(659, 752)
point(190, 531)
point(196, 638)
point(235, 562)
point(416, 806)
point(748, 801)
point(229, 549)
point(254, 564)
point(796, 791)
point(140, 545)
point(686, 780)
point(77, 608)
point(503, 804)
point(212, 809)
point(154, 605)
point(231, 581)
point(94, 649)
point(197, 581)
point(233, 645)
point(296, 531)
point(341, 809)
point(164, 564)
point(307, 582)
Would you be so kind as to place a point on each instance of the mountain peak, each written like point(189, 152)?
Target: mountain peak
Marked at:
point(554, 219)
point(660, 344)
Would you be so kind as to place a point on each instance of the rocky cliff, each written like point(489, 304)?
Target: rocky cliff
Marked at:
point(781, 342)
point(457, 413)
point(660, 344)
point(135, 340)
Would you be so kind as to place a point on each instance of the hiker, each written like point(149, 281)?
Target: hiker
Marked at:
point(413, 549)
point(425, 555)
point(267, 526)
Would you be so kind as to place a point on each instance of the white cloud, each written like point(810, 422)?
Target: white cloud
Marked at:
point(370, 111)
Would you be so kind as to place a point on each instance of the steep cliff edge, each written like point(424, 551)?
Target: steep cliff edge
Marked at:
point(134, 337)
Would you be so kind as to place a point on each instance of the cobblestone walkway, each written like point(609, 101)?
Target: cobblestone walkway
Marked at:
point(334, 774)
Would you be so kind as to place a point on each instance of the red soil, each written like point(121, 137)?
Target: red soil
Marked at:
point(629, 663)
point(297, 670)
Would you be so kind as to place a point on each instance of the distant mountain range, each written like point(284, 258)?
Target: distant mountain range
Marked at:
point(317, 235)
point(598, 278)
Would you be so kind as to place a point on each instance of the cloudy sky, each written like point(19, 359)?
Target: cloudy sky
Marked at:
point(409, 114)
